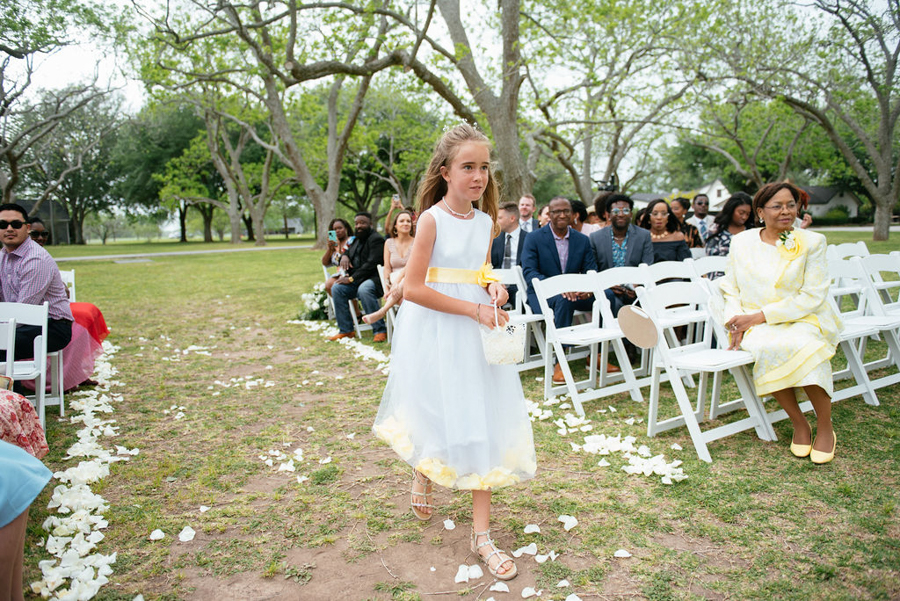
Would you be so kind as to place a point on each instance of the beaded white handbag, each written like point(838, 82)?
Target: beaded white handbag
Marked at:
point(503, 345)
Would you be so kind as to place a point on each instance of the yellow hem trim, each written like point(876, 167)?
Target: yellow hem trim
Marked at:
point(792, 372)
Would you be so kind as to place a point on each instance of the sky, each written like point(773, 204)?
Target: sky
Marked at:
point(79, 64)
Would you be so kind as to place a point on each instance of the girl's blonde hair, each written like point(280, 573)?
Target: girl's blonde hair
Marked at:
point(433, 187)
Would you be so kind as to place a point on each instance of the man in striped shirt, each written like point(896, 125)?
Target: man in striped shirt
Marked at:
point(29, 275)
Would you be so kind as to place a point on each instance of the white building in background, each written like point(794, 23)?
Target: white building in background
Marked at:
point(717, 193)
point(823, 198)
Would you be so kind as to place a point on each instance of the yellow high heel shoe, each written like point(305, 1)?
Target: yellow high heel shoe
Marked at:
point(822, 457)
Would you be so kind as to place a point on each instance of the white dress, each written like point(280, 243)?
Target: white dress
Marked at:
point(447, 412)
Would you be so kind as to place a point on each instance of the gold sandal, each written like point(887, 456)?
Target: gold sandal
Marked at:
point(426, 492)
point(476, 549)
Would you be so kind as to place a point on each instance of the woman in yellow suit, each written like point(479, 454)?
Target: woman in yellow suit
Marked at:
point(775, 290)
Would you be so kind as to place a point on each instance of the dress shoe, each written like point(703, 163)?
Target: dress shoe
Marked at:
point(558, 377)
point(343, 335)
point(610, 368)
point(800, 450)
point(821, 456)
point(380, 337)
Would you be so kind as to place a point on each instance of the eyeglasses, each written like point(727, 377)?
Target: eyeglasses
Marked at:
point(37, 235)
point(620, 211)
point(561, 212)
point(701, 203)
point(16, 225)
point(791, 206)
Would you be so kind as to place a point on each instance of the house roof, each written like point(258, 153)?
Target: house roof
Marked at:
point(821, 195)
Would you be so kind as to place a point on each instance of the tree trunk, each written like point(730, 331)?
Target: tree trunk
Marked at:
point(248, 223)
point(258, 217)
point(182, 221)
point(286, 237)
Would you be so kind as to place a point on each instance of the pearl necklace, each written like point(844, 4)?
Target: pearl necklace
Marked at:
point(460, 215)
point(658, 236)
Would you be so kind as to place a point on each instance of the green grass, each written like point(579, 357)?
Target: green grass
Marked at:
point(754, 524)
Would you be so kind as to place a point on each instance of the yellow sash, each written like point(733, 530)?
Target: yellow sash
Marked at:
point(452, 275)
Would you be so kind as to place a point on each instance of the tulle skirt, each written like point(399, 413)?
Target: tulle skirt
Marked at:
point(447, 412)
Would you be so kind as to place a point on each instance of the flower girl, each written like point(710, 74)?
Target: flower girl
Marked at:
point(457, 420)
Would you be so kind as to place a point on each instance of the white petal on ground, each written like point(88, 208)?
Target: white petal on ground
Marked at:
point(157, 535)
point(603, 463)
point(448, 524)
point(138, 598)
point(529, 549)
point(187, 535)
point(462, 574)
point(301, 479)
point(499, 587)
point(326, 460)
point(528, 593)
point(532, 528)
point(475, 572)
point(573, 597)
point(351, 436)
point(433, 569)
point(568, 522)
point(675, 446)
point(541, 558)
point(204, 509)
point(553, 555)
point(622, 553)
point(562, 584)
point(612, 409)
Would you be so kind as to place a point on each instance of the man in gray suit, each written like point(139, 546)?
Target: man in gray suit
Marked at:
point(621, 244)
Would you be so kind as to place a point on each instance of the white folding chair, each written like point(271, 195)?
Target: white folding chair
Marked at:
point(521, 313)
point(330, 308)
point(590, 335)
point(8, 344)
point(698, 253)
point(846, 250)
point(710, 264)
point(698, 357)
point(34, 368)
point(688, 316)
point(392, 312)
point(887, 290)
point(68, 278)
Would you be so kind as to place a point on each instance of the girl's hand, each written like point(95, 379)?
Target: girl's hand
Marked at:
point(498, 293)
point(485, 316)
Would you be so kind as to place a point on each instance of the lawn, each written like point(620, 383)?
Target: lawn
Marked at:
point(212, 333)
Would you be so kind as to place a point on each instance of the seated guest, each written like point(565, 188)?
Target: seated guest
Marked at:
point(732, 220)
point(20, 424)
point(544, 215)
point(680, 208)
point(360, 279)
point(552, 251)
point(701, 218)
point(600, 208)
point(396, 253)
point(776, 308)
point(335, 248)
point(526, 214)
point(22, 478)
point(622, 244)
point(88, 331)
point(668, 241)
point(29, 275)
point(506, 249)
point(580, 219)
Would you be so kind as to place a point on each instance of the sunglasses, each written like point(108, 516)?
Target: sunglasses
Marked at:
point(620, 212)
point(37, 235)
point(17, 225)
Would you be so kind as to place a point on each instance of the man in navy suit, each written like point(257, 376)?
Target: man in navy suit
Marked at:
point(555, 250)
point(527, 222)
point(506, 249)
point(621, 244)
